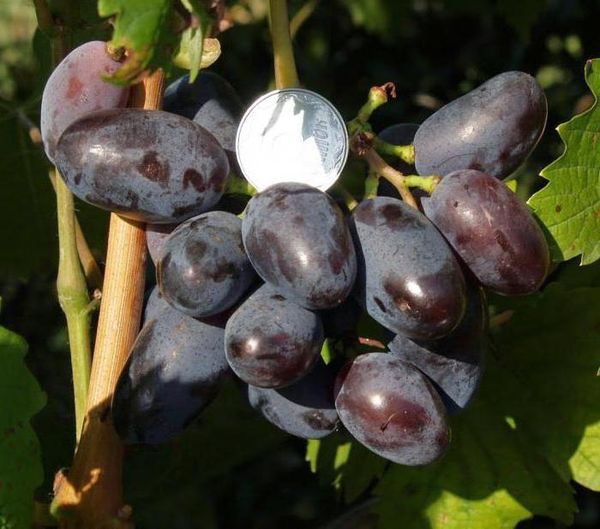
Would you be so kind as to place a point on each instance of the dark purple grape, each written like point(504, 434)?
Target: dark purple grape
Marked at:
point(454, 363)
point(392, 409)
point(155, 238)
point(399, 134)
point(408, 279)
point(304, 409)
point(493, 128)
point(75, 88)
point(271, 342)
point(298, 241)
point(491, 230)
point(155, 304)
point(147, 165)
point(211, 102)
point(172, 374)
point(203, 269)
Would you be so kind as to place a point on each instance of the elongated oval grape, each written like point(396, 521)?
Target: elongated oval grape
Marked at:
point(399, 133)
point(211, 102)
point(454, 363)
point(155, 304)
point(147, 165)
point(305, 409)
point(408, 279)
point(491, 230)
point(392, 409)
point(271, 342)
point(75, 88)
point(203, 268)
point(172, 374)
point(492, 129)
point(156, 234)
point(298, 241)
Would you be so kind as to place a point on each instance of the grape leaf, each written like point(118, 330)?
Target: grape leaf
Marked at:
point(383, 17)
point(184, 467)
point(149, 31)
point(143, 28)
point(569, 205)
point(533, 426)
point(554, 388)
point(29, 205)
point(491, 477)
point(20, 459)
point(521, 14)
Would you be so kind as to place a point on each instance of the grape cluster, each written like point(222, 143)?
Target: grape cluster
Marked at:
point(258, 296)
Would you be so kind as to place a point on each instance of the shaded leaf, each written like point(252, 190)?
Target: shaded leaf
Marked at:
point(533, 426)
point(228, 433)
point(554, 389)
point(20, 459)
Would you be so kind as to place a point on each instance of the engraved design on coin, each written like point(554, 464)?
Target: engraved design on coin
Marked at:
point(292, 135)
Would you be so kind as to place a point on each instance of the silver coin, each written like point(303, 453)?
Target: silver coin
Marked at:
point(292, 135)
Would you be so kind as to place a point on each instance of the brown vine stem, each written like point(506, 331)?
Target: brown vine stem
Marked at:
point(90, 496)
point(286, 75)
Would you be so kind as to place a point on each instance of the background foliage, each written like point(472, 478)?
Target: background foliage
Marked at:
point(530, 439)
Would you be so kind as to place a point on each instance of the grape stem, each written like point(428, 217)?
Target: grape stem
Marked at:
point(71, 286)
point(239, 185)
point(394, 177)
point(501, 318)
point(378, 96)
point(301, 16)
point(286, 75)
point(371, 185)
point(91, 495)
point(73, 299)
point(405, 152)
point(92, 272)
point(348, 198)
point(370, 342)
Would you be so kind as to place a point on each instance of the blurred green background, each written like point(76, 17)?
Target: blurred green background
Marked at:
point(233, 470)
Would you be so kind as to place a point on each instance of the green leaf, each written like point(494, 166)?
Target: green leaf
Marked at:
point(569, 205)
point(383, 17)
point(491, 477)
point(20, 459)
point(521, 14)
point(533, 427)
point(29, 204)
point(27, 200)
point(228, 433)
point(149, 31)
point(196, 53)
point(554, 388)
point(143, 28)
